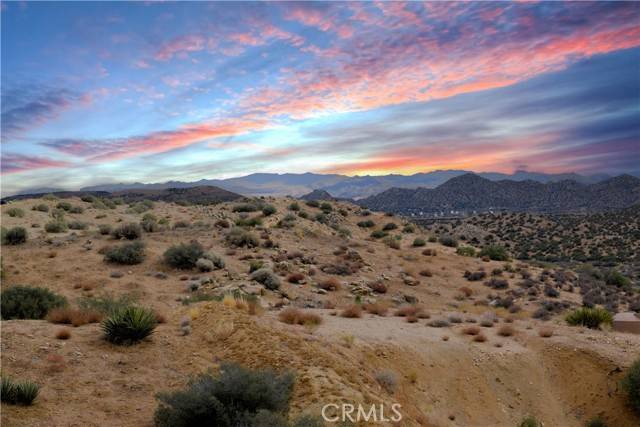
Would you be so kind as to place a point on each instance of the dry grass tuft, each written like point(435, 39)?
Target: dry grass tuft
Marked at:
point(412, 311)
point(63, 333)
point(480, 338)
point(294, 316)
point(377, 308)
point(352, 312)
point(295, 278)
point(545, 332)
point(506, 331)
point(330, 284)
point(73, 316)
point(471, 330)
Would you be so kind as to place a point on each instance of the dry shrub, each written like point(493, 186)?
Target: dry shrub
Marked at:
point(160, 318)
point(55, 363)
point(411, 319)
point(376, 308)
point(429, 252)
point(506, 331)
point(480, 338)
point(293, 316)
point(353, 311)
point(466, 291)
point(73, 316)
point(295, 277)
point(471, 330)
point(412, 311)
point(329, 305)
point(63, 333)
point(330, 284)
point(545, 332)
point(445, 338)
point(378, 287)
point(426, 273)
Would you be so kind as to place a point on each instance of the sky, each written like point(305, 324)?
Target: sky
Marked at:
point(105, 92)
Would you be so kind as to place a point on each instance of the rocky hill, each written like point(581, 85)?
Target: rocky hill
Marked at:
point(471, 192)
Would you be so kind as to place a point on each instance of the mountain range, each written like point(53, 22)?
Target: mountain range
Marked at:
point(340, 186)
point(472, 192)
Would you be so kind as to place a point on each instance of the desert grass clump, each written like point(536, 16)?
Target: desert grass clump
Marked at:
point(495, 253)
point(25, 302)
point(269, 210)
point(589, 317)
point(77, 225)
point(56, 225)
point(129, 231)
point(15, 236)
point(242, 238)
point(438, 323)
point(15, 212)
point(545, 332)
point(126, 254)
point(63, 334)
point(388, 380)
point(104, 229)
point(129, 325)
point(237, 396)
point(41, 207)
point(391, 242)
point(631, 386)
point(294, 316)
point(245, 207)
point(366, 224)
point(353, 311)
point(65, 206)
point(329, 284)
point(529, 422)
point(467, 251)
point(18, 393)
point(184, 256)
point(471, 330)
point(480, 337)
point(267, 278)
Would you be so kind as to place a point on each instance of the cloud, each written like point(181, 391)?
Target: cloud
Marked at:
point(180, 46)
point(28, 107)
point(14, 163)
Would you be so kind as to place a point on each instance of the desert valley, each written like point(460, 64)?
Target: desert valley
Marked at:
point(359, 306)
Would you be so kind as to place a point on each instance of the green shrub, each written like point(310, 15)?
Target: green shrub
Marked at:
point(267, 278)
point(589, 317)
point(378, 234)
point(18, 393)
point(25, 302)
point(248, 222)
point(149, 224)
point(449, 241)
point(303, 214)
point(15, 212)
point(495, 253)
point(631, 386)
point(215, 259)
point(56, 226)
point(239, 237)
point(245, 207)
point(595, 422)
point(76, 210)
point(236, 397)
point(326, 207)
point(129, 325)
point(269, 210)
point(65, 206)
point(615, 278)
point(126, 254)
point(77, 225)
point(288, 221)
point(295, 206)
point(419, 242)
point(41, 208)
point(255, 265)
point(184, 255)
point(104, 229)
point(390, 226)
point(181, 224)
point(313, 203)
point(466, 251)
point(130, 231)
point(15, 236)
point(409, 228)
point(366, 224)
point(529, 422)
point(392, 242)
point(88, 198)
point(321, 218)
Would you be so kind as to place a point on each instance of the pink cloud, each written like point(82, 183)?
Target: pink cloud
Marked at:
point(15, 163)
point(180, 46)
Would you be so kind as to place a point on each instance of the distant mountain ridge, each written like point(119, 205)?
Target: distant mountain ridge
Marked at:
point(340, 186)
point(471, 192)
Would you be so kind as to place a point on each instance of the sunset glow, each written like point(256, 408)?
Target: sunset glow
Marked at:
point(99, 92)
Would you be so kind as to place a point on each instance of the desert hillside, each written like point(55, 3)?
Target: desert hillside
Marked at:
point(360, 306)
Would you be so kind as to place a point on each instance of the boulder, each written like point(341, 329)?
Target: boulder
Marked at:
point(626, 322)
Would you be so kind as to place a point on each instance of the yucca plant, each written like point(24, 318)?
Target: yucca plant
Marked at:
point(589, 317)
point(19, 393)
point(129, 325)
